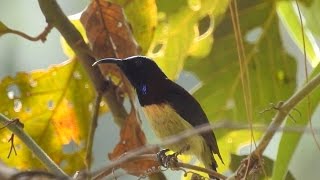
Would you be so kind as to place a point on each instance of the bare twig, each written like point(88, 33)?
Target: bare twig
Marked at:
point(42, 36)
point(92, 130)
point(131, 155)
point(178, 166)
point(12, 147)
point(282, 113)
point(33, 146)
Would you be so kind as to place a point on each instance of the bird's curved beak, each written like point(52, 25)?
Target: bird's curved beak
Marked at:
point(109, 60)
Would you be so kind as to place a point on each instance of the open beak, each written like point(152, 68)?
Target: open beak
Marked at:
point(109, 60)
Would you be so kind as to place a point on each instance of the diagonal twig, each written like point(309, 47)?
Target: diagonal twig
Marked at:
point(32, 145)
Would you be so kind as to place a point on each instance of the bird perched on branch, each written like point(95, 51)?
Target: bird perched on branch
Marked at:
point(169, 108)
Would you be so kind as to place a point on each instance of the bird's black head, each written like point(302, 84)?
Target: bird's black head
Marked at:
point(141, 71)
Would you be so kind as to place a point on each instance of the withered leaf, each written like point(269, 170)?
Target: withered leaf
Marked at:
point(132, 137)
point(108, 32)
point(109, 35)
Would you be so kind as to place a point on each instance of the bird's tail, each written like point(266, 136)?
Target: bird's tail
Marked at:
point(210, 163)
point(213, 167)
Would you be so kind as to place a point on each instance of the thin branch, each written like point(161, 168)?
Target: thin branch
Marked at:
point(92, 130)
point(33, 146)
point(12, 147)
point(178, 165)
point(284, 111)
point(245, 81)
point(131, 155)
point(42, 36)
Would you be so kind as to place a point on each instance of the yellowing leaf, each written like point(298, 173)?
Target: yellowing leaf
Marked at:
point(65, 123)
point(55, 106)
point(177, 36)
point(75, 20)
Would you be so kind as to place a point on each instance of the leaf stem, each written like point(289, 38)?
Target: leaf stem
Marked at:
point(42, 36)
point(33, 146)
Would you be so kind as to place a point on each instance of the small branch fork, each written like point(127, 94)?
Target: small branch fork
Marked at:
point(283, 110)
point(42, 36)
point(11, 139)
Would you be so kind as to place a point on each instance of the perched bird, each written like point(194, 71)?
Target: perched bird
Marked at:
point(169, 108)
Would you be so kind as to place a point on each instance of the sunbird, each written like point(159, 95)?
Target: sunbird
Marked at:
point(169, 108)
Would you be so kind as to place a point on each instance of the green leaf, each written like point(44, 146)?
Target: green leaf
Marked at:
point(289, 141)
point(290, 18)
point(3, 29)
point(177, 36)
point(142, 15)
point(54, 106)
point(311, 14)
point(272, 72)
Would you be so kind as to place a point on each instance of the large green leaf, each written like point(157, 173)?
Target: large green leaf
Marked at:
point(291, 20)
point(177, 35)
point(311, 14)
point(289, 141)
point(272, 72)
point(54, 106)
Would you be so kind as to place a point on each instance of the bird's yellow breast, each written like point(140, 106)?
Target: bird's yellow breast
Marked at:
point(165, 122)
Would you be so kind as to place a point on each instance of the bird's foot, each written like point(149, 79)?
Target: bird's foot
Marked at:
point(167, 161)
point(170, 161)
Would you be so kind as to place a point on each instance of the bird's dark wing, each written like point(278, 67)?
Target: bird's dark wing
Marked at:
point(190, 110)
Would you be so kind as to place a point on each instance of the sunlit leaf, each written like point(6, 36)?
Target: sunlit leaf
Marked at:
point(75, 20)
point(311, 14)
point(290, 18)
point(55, 107)
point(177, 35)
point(285, 152)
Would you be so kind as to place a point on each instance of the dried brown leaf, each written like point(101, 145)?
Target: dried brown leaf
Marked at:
point(109, 35)
point(132, 137)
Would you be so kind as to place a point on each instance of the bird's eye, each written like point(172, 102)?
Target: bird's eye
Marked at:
point(138, 63)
